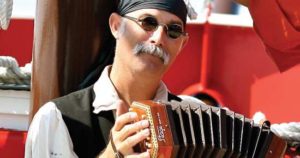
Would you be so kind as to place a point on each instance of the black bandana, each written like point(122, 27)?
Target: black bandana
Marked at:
point(176, 7)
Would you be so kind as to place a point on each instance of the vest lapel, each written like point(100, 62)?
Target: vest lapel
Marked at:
point(106, 121)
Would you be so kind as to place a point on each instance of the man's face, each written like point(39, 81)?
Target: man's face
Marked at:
point(149, 51)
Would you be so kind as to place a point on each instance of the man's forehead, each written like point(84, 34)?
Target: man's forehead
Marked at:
point(176, 7)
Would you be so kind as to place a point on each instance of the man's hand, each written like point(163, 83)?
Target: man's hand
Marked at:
point(126, 133)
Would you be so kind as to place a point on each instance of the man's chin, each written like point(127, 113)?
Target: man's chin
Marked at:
point(151, 64)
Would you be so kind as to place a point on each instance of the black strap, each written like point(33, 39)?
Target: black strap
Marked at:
point(117, 153)
point(173, 97)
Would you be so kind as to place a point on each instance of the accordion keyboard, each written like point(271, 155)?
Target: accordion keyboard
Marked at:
point(189, 130)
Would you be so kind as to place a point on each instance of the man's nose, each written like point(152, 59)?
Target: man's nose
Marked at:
point(158, 36)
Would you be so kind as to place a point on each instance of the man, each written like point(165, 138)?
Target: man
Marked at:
point(95, 121)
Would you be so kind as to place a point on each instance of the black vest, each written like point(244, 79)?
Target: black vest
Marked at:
point(89, 131)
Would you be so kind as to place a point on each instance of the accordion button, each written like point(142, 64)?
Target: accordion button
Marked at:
point(144, 117)
point(271, 152)
point(148, 145)
point(148, 138)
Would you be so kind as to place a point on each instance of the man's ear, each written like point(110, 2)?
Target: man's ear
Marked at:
point(114, 24)
point(185, 41)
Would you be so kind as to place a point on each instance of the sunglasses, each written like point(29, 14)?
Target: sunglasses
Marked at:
point(150, 23)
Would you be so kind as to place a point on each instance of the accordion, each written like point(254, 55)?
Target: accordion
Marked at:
point(190, 130)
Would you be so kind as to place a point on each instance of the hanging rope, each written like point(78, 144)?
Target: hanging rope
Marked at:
point(12, 75)
point(6, 7)
point(192, 14)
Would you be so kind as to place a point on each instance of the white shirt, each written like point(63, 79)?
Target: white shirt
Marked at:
point(48, 136)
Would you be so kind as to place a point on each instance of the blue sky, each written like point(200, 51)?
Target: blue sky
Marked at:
point(24, 8)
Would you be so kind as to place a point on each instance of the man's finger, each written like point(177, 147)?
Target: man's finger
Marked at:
point(124, 119)
point(133, 140)
point(130, 129)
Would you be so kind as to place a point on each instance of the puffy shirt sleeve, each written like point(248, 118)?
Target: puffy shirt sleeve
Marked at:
point(48, 136)
point(277, 24)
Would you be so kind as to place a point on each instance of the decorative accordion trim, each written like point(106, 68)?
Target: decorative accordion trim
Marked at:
point(147, 109)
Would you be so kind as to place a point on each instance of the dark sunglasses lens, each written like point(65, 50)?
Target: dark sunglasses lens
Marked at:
point(149, 23)
point(174, 31)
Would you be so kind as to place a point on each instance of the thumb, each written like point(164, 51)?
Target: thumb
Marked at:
point(121, 108)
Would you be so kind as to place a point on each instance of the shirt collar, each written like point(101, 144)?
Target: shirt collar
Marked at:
point(106, 94)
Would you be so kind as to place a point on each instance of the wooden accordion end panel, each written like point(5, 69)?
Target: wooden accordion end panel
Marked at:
point(189, 130)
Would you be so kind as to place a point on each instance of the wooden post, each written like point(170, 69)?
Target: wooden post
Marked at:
point(67, 38)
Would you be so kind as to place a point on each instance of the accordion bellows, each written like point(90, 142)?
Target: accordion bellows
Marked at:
point(190, 130)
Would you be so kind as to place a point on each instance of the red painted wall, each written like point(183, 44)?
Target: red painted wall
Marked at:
point(17, 41)
point(185, 70)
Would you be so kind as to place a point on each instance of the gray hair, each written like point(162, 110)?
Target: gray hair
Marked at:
point(152, 50)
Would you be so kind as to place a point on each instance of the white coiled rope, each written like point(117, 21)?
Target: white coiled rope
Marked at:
point(11, 73)
point(288, 131)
